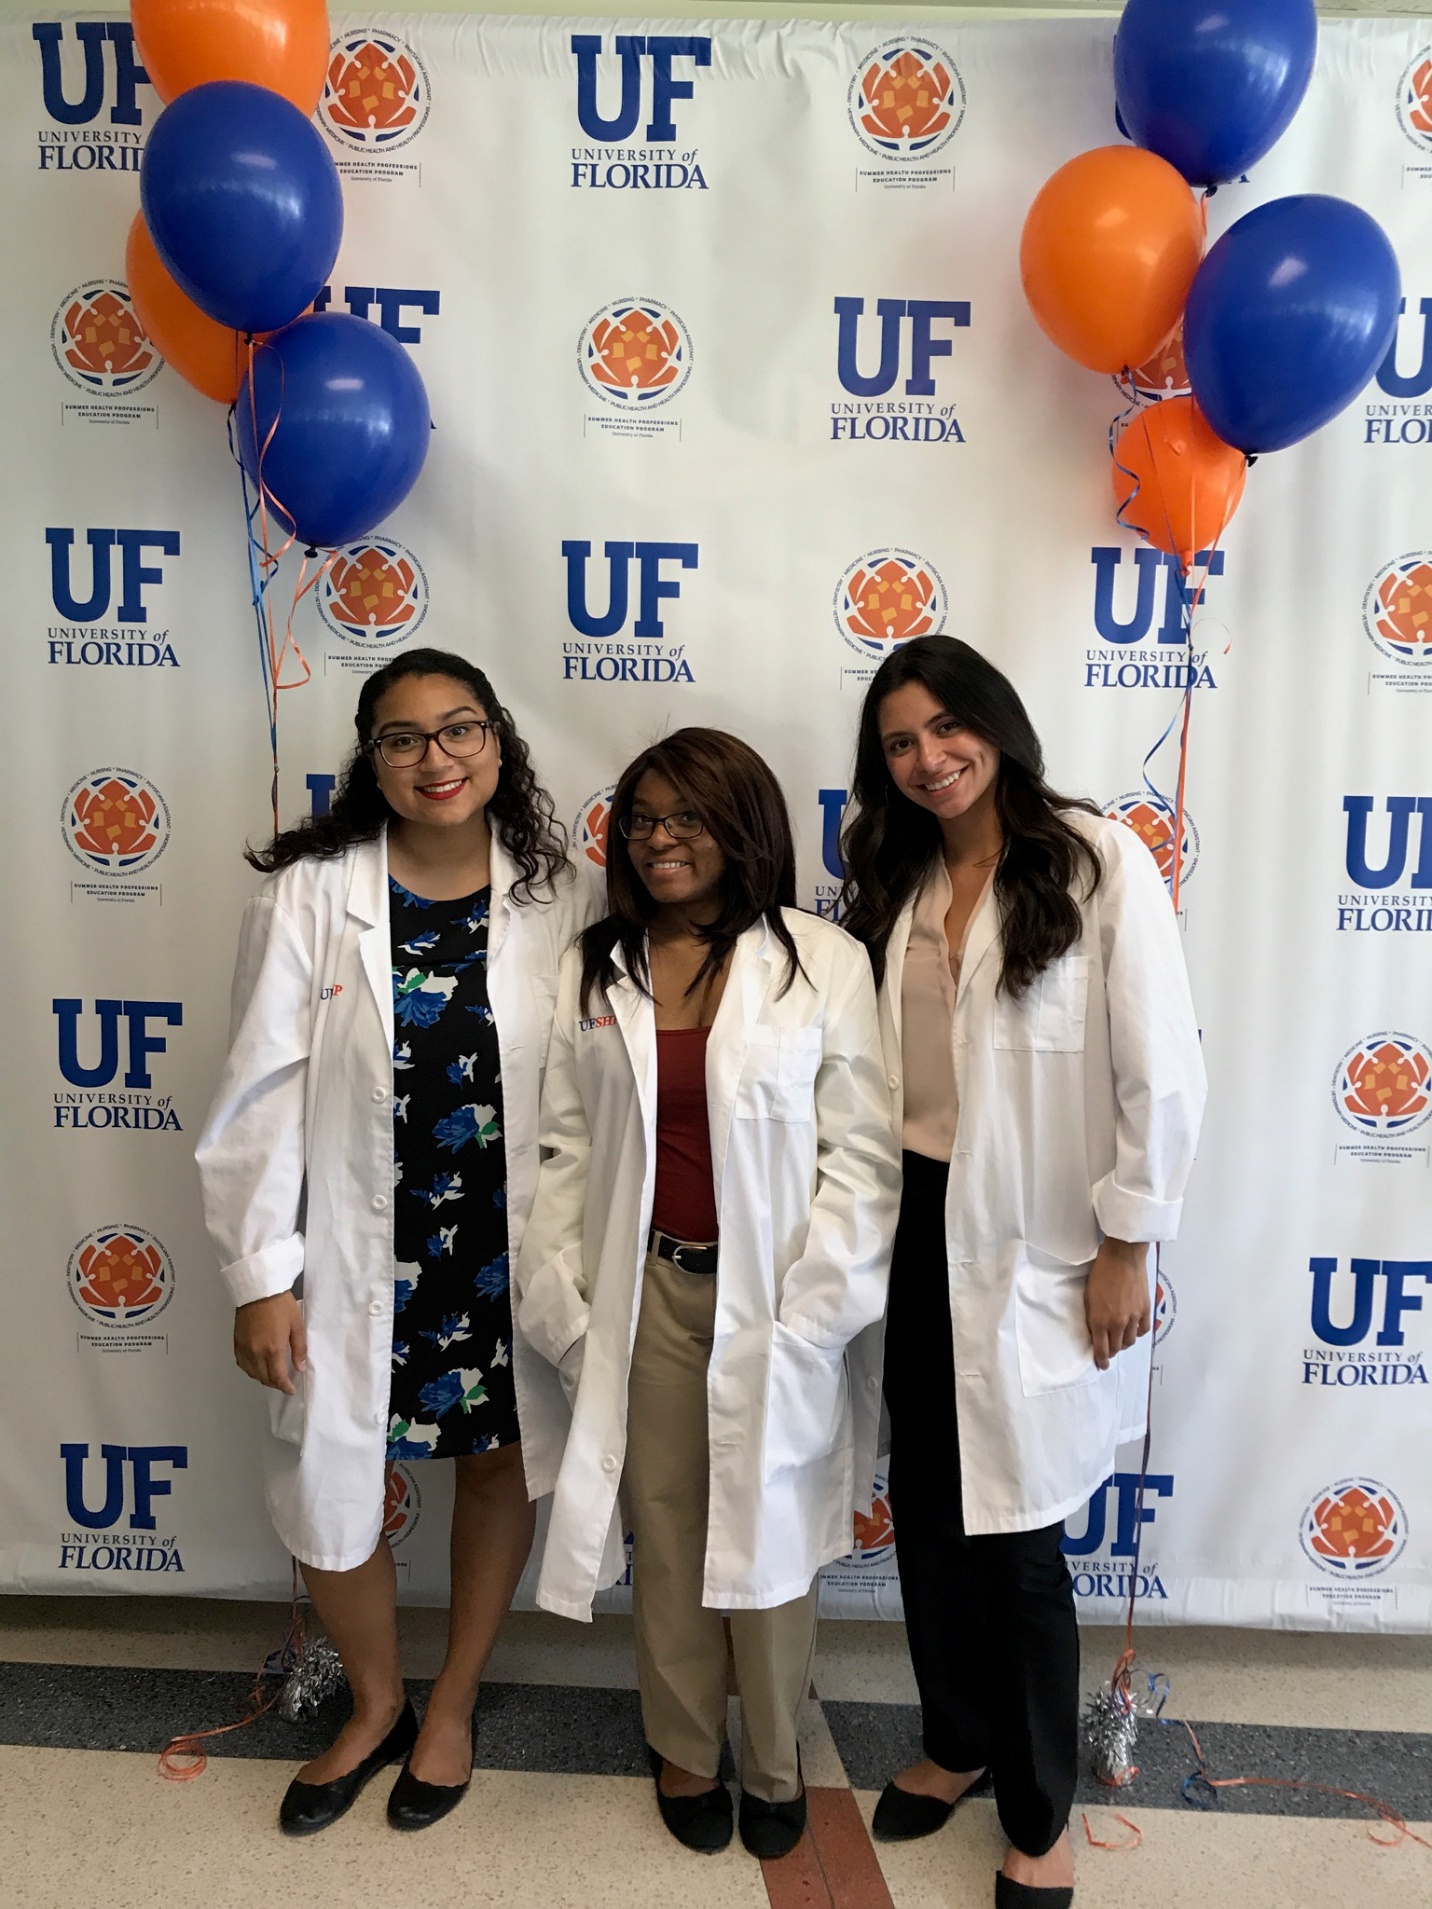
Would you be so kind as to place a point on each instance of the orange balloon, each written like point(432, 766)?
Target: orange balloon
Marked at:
point(1108, 253)
point(1176, 480)
point(200, 349)
point(281, 44)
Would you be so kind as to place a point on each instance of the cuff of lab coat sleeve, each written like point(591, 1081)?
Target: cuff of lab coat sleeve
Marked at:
point(273, 1269)
point(549, 1322)
point(1134, 1216)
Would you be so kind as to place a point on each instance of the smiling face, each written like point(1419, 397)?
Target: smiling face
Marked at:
point(684, 873)
point(941, 767)
point(441, 790)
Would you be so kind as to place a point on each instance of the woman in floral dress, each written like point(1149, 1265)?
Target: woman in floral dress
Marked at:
point(368, 1168)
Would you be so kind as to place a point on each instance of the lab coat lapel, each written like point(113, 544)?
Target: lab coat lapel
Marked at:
point(983, 937)
point(368, 903)
point(636, 1020)
point(754, 961)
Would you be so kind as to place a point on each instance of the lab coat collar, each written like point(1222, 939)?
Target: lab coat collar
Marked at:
point(982, 937)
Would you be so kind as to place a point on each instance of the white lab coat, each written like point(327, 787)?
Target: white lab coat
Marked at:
point(296, 1161)
point(1079, 1111)
point(806, 1169)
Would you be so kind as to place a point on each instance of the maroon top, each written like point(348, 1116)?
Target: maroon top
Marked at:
point(685, 1204)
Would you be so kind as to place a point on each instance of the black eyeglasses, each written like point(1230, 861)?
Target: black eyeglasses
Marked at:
point(406, 748)
point(681, 827)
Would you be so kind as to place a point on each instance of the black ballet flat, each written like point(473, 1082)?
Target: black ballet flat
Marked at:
point(309, 1807)
point(703, 1823)
point(901, 1816)
point(413, 1804)
point(771, 1830)
point(1023, 1895)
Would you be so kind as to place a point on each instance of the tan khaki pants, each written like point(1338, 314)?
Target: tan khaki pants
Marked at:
point(680, 1645)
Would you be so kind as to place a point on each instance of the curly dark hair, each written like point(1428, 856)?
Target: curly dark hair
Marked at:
point(890, 842)
point(734, 792)
point(521, 811)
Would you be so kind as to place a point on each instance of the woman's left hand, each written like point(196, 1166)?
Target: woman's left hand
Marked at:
point(1117, 1306)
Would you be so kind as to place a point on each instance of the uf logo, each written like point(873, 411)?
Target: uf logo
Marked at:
point(1358, 809)
point(661, 50)
point(320, 794)
point(922, 313)
point(392, 301)
point(832, 809)
point(145, 1487)
point(92, 35)
point(652, 586)
point(1128, 1516)
point(134, 572)
point(1148, 566)
point(1365, 1274)
point(141, 1042)
point(1419, 382)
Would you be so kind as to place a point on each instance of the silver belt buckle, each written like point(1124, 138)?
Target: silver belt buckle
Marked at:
point(676, 1252)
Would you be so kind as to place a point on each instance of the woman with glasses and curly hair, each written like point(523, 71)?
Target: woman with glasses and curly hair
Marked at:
point(711, 1231)
point(368, 1167)
point(1048, 1089)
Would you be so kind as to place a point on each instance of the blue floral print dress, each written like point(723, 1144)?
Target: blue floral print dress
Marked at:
point(451, 1391)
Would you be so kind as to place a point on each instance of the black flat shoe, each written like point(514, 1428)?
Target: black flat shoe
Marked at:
point(702, 1823)
point(413, 1804)
point(1023, 1895)
point(308, 1807)
point(772, 1829)
point(901, 1815)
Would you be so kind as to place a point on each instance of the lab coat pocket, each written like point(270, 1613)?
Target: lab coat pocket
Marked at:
point(807, 1402)
point(1048, 1017)
point(778, 1080)
point(287, 1411)
point(1055, 1350)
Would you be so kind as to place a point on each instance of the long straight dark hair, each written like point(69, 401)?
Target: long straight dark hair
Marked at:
point(734, 792)
point(890, 842)
point(521, 811)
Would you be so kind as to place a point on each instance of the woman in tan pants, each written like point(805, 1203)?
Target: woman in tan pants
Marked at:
point(711, 1232)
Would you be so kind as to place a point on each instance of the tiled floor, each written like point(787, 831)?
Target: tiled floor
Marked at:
point(560, 1814)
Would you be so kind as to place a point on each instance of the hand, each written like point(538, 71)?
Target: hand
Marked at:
point(1116, 1299)
point(268, 1335)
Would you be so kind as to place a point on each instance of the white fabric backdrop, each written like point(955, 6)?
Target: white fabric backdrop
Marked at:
point(716, 227)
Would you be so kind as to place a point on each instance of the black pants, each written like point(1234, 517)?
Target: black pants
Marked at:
point(991, 1620)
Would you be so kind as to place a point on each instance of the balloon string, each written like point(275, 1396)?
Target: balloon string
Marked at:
point(256, 1704)
point(1132, 1841)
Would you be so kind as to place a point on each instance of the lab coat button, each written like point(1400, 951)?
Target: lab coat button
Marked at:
point(377, 1418)
point(894, 1080)
point(380, 1201)
point(376, 1308)
point(609, 1464)
point(380, 1093)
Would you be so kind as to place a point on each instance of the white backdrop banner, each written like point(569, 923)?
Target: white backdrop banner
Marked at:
point(734, 388)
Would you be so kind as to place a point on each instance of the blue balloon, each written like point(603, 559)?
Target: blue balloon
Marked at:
point(1210, 85)
point(243, 202)
point(1290, 314)
point(341, 415)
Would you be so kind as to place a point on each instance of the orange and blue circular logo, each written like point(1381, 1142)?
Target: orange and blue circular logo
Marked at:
point(1383, 1085)
point(589, 831)
point(120, 1276)
point(115, 822)
point(906, 100)
point(1152, 820)
point(1354, 1529)
point(374, 593)
point(875, 1531)
point(402, 1505)
point(635, 354)
point(99, 343)
point(1165, 375)
point(886, 597)
point(1165, 1307)
point(376, 96)
point(1397, 609)
point(1414, 100)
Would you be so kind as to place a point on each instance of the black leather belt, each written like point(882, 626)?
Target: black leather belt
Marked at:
point(691, 1259)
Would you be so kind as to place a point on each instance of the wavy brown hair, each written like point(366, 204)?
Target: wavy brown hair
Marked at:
point(520, 812)
point(890, 842)
point(734, 792)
